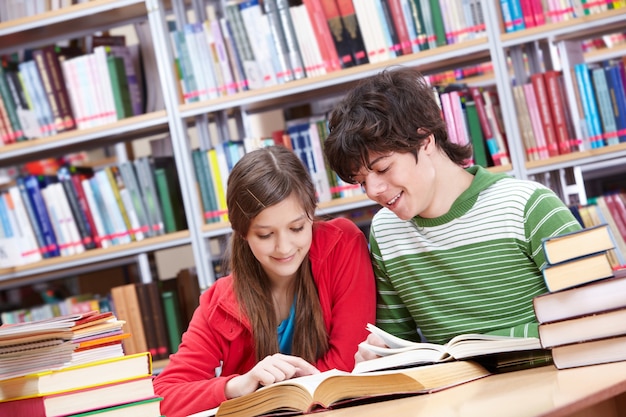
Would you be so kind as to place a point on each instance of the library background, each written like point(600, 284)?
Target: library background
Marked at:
point(120, 120)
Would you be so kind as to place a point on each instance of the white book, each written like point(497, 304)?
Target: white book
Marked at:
point(320, 177)
point(115, 214)
point(59, 224)
point(70, 75)
point(101, 232)
point(132, 214)
point(10, 235)
point(362, 16)
point(201, 68)
point(255, 20)
point(104, 83)
point(67, 216)
point(32, 254)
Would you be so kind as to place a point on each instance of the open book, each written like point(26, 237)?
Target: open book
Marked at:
point(334, 389)
point(401, 353)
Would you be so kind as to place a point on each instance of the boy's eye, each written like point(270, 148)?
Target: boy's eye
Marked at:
point(382, 171)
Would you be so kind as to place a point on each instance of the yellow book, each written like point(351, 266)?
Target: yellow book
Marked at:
point(77, 377)
point(219, 173)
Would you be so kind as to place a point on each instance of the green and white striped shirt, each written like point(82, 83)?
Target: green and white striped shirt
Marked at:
point(475, 269)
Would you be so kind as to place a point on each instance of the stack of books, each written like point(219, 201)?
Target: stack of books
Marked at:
point(583, 315)
point(73, 366)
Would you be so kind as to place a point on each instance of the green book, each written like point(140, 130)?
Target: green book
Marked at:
point(171, 311)
point(437, 23)
point(165, 200)
point(119, 84)
point(476, 134)
point(207, 194)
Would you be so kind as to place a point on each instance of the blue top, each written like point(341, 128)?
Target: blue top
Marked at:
point(285, 331)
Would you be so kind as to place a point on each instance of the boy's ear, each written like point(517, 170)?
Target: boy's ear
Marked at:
point(428, 145)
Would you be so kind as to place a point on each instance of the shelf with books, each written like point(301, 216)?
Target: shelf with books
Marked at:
point(71, 141)
point(79, 19)
point(429, 61)
point(95, 256)
point(578, 27)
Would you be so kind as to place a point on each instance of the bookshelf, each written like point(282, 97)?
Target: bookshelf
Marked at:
point(176, 119)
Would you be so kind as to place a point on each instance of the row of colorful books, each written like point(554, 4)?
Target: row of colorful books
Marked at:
point(546, 123)
point(473, 115)
point(525, 14)
point(53, 89)
point(583, 315)
point(80, 209)
point(261, 43)
point(73, 365)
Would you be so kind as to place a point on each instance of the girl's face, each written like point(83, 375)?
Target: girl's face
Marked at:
point(398, 182)
point(280, 237)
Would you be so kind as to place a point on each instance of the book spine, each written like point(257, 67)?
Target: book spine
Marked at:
point(547, 120)
point(84, 228)
point(39, 207)
point(353, 31)
point(11, 107)
point(322, 35)
point(607, 116)
point(338, 32)
point(558, 107)
point(53, 66)
point(171, 311)
point(617, 92)
point(397, 17)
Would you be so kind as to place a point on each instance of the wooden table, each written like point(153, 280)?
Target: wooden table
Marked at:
point(593, 391)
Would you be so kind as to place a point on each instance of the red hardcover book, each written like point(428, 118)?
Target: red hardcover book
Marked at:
point(338, 32)
point(616, 207)
point(545, 112)
point(555, 97)
point(322, 35)
point(395, 7)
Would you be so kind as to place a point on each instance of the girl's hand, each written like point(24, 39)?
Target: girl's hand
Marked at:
point(273, 368)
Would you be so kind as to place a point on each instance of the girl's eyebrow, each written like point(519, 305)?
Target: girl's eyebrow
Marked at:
point(297, 219)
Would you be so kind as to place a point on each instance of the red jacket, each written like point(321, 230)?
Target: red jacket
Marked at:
point(219, 333)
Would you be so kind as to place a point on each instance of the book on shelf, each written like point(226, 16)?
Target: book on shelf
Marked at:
point(617, 92)
point(49, 66)
point(400, 352)
point(11, 106)
point(605, 107)
point(599, 325)
point(353, 31)
point(335, 389)
point(153, 318)
point(575, 244)
point(594, 297)
point(578, 271)
point(127, 307)
point(538, 82)
point(81, 400)
point(322, 35)
point(559, 111)
point(610, 349)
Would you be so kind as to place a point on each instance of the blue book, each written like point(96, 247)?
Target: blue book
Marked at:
point(617, 91)
point(31, 184)
point(5, 224)
point(590, 107)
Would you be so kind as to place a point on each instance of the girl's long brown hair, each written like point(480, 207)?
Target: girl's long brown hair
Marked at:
point(263, 178)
